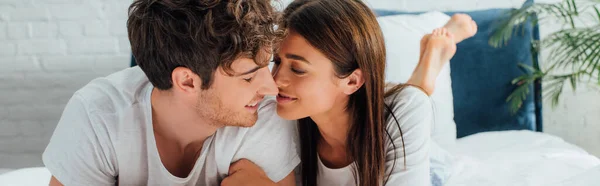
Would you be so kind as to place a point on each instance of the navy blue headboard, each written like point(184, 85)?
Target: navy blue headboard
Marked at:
point(132, 63)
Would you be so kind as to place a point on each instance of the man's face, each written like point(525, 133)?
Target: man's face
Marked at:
point(233, 100)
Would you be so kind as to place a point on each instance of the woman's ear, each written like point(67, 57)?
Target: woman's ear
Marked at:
point(353, 82)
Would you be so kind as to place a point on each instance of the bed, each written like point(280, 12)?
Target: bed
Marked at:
point(2, 171)
point(489, 158)
point(487, 145)
point(501, 158)
point(34, 176)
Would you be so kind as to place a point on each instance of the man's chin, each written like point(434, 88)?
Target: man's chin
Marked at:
point(245, 123)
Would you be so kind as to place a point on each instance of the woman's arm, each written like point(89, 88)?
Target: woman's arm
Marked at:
point(407, 152)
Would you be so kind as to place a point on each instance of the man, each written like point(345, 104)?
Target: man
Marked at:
point(191, 109)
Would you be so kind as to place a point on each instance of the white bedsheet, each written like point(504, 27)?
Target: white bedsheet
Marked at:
point(2, 171)
point(26, 177)
point(510, 158)
point(590, 177)
point(521, 158)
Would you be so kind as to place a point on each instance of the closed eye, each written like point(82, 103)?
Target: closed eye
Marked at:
point(299, 72)
point(277, 62)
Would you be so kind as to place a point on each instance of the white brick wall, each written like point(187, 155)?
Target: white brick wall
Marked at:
point(3, 29)
point(50, 48)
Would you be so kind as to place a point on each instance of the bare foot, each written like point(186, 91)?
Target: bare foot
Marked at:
point(443, 41)
point(423, 45)
point(461, 26)
point(437, 50)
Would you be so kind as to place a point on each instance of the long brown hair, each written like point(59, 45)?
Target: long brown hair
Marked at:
point(347, 32)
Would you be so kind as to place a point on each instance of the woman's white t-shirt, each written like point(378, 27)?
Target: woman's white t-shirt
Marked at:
point(414, 112)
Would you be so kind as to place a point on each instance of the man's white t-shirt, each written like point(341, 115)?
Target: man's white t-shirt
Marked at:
point(414, 112)
point(105, 137)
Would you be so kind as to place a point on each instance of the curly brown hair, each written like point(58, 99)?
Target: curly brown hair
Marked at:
point(201, 35)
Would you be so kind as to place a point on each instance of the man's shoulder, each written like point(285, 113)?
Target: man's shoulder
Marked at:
point(90, 134)
point(115, 91)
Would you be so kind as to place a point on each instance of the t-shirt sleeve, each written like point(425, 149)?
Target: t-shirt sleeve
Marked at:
point(413, 111)
point(271, 143)
point(80, 152)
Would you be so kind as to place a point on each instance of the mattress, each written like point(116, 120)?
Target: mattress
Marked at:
point(521, 158)
point(26, 177)
point(4, 170)
point(515, 158)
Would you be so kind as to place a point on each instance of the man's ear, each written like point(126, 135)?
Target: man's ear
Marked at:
point(185, 80)
point(353, 82)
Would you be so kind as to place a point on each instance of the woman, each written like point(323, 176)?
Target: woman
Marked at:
point(330, 72)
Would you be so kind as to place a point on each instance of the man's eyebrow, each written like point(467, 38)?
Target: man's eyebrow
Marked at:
point(250, 71)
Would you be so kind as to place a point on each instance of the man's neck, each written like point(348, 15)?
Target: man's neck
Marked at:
point(178, 123)
point(178, 131)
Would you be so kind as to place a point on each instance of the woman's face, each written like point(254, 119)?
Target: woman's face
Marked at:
point(306, 80)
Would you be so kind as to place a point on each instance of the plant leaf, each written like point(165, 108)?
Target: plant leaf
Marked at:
point(523, 82)
point(573, 82)
point(553, 90)
point(527, 67)
point(574, 50)
point(517, 97)
point(569, 5)
point(597, 12)
point(519, 79)
point(577, 48)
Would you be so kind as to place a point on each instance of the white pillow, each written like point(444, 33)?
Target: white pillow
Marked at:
point(445, 5)
point(403, 35)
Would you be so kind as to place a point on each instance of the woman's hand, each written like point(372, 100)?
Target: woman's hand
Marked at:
point(246, 173)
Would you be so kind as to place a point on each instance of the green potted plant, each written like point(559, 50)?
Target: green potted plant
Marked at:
point(574, 50)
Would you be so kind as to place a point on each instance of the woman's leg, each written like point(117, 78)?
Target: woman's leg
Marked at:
point(438, 51)
point(438, 48)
